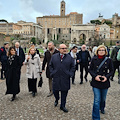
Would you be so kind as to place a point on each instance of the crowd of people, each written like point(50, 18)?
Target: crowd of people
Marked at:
point(61, 70)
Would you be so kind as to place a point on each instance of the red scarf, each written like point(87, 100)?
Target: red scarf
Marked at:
point(100, 56)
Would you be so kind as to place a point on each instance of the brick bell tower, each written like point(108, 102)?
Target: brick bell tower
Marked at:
point(62, 8)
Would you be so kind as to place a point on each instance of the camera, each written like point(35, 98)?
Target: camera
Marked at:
point(101, 78)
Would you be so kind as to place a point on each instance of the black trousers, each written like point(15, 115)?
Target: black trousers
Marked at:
point(63, 96)
point(83, 66)
point(73, 78)
point(32, 85)
point(116, 65)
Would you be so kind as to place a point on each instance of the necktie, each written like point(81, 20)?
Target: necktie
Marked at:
point(61, 57)
point(17, 52)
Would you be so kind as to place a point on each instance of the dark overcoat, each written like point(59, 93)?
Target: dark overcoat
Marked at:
point(106, 70)
point(3, 58)
point(46, 60)
point(13, 76)
point(87, 56)
point(61, 71)
point(21, 55)
point(76, 66)
point(3, 55)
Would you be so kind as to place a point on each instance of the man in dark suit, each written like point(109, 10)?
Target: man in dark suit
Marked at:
point(83, 58)
point(3, 59)
point(72, 53)
point(47, 57)
point(20, 53)
point(61, 69)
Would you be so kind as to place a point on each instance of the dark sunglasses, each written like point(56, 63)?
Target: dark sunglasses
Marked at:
point(63, 48)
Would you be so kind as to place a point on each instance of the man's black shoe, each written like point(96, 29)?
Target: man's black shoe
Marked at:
point(86, 79)
point(12, 99)
point(81, 82)
point(73, 83)
point(55, 103)
point(102, 111)
point(2, 78)
point(111, 79)
point(63, 109)
point(33, 94)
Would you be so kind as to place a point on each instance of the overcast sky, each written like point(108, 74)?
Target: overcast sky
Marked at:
point(28, 10)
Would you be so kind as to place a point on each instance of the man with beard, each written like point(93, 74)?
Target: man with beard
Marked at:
point(47, 57)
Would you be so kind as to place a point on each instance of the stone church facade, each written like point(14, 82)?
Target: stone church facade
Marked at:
point(58, 27)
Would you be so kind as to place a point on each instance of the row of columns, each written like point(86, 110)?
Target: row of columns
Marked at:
point(54, 33)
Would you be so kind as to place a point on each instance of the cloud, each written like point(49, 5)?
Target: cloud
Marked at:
point(1, 7)
point(28, 10)
point(26, 13)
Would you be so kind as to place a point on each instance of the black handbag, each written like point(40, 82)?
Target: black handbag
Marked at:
point(40, 81)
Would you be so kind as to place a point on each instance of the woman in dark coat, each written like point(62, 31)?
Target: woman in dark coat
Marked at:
point(12, 73)
point(100, 80)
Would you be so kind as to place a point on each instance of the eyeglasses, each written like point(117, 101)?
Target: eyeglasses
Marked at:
point(101, 50)
point(63, 48)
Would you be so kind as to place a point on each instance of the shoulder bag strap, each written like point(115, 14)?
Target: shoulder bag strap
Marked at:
point(101, 64)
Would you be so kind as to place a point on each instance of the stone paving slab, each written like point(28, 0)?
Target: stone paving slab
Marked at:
point(79, 102)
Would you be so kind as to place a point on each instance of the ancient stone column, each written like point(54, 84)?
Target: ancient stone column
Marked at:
point(7, 29)
point(46, 38)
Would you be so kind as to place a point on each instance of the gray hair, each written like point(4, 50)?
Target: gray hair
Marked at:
point(17, 43)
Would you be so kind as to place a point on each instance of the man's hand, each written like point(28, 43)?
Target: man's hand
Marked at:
point(77, 61)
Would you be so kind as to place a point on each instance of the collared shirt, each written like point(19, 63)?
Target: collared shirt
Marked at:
point(62, 56)
point(72, 55)
point(17, 49)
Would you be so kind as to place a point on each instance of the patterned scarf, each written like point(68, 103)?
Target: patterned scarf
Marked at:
point(11, 59)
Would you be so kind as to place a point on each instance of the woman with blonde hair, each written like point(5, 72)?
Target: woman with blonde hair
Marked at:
point(101, 68)
point(33, 69)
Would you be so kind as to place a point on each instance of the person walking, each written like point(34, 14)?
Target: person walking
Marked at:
point(61, 70)
point(101, 68)
point(47, 57)
point(83, 58)
point(74, 56)
point(12, 73)
point(113, 56)
point(33, 69)
point(20, 53)
point(3, 60)
point(90, 52)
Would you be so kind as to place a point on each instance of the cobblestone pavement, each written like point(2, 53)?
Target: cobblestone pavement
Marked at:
point(79, 103)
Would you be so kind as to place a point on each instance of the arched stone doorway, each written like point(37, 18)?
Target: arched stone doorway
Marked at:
point(2, 20)
point(74, 41)
point(82, 38)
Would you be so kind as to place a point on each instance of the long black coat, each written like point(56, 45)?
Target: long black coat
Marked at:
point(13, 76)
point(106, 70)
point(21, 56)
point(47, 59)
point(3, 55)
point(61, 71)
